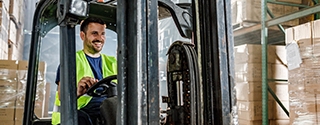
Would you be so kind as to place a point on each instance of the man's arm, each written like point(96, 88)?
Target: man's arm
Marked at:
point(83, 85)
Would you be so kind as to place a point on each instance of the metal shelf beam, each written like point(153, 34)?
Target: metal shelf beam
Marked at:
point(286, 3)
point(264, 42)
point(295, 15)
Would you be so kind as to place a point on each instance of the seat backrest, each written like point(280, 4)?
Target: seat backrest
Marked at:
point(108, 110)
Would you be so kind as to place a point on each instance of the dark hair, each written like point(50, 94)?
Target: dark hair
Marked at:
point(87, 21)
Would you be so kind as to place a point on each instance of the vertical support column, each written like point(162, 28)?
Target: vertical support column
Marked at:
point(138, 62)
point(231, 67)
point(153, 62)
point(216, 52)
point(32, 73)
point(264, 43)
point(122, 59)
point(69, 115)
point(33, 66)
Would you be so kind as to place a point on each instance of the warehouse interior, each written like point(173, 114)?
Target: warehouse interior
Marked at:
point(275, 61)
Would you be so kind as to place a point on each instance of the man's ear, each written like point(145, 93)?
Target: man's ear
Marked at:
point(82, 35)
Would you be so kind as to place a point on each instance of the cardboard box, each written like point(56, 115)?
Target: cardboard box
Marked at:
point(7, 114)
point(304, 108)
point(297, 118)
point(4, 19)
point(249, 122)
point(14, 50)
point(46, 101)
point(308, 48)
point(7, 122)
point(282, 91)
point(18, 122)
point(252, 110)
point(315, 29)
point(5, 4)
point(8, 100)
point(13, 79)
point(280, 122)
point(21, 13)
point(304, 80)
point(279, 112)
point(19, 113)
point(279, 71)
point(250, 91)
point(14, 8)
point(3, 50)
point(23, 67)
point(252, 53)
point(307, 36)
point(250, 11)
point(12, 32)
point(299, 32)
point(8, 69)
point(279, 53)
point(248, 72)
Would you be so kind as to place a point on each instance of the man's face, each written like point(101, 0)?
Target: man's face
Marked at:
point(94, 37)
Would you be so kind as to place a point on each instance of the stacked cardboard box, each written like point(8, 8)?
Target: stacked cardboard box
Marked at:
point(304, 71)
point(15, 41)
point(8, 90)
point(248, 77)
point(4, 27)
point(13, 75)
point(11, 29)
point(248, 12)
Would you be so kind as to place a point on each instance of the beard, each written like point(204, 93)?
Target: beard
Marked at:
point(94, 46)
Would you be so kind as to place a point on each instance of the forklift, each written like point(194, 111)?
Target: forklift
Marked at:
point(200, 71)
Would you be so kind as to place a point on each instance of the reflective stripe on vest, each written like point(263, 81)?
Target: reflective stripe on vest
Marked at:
point(109, 67)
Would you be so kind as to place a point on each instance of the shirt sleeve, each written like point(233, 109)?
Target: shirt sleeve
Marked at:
point(58, 76)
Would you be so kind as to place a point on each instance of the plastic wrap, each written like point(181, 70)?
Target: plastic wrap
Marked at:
point(13, 76)
point(304, 88)
point(304, 80)
point(304, 92)
point(8, 83)
point(39, 107)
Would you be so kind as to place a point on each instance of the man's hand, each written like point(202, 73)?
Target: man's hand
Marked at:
point(84, 84)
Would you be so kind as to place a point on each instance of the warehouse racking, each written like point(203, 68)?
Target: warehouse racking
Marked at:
point(271, 36)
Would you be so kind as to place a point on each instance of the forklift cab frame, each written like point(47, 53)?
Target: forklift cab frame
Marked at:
point(51, 13)
point(136, 25)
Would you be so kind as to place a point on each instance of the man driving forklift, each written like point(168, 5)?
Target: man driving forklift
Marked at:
point(91, 66)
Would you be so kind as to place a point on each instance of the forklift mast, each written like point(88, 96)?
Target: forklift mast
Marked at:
point(208, 57)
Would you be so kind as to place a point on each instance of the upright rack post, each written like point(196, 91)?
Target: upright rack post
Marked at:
point(317, 15)
point(264, 36)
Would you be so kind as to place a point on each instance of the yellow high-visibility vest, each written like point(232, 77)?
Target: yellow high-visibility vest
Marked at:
point(109, 67)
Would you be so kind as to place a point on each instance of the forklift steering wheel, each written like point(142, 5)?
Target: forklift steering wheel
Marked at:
point(109, 88)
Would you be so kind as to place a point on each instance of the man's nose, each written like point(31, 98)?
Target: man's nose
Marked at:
point(101, 37)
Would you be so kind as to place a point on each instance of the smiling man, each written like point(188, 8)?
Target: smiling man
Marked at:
point(91, 66)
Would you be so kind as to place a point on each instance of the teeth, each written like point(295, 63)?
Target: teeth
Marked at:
point(98, 44)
